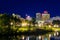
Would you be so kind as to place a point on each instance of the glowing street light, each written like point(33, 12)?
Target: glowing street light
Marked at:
point(13, 15)
point(39, 25)
point(11, 23)
point(24, 24)
point(56, 25)
point(49, 26)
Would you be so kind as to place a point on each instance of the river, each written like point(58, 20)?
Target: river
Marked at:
point(49, 36)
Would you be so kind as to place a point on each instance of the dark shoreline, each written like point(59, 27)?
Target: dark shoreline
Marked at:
point(36, 32)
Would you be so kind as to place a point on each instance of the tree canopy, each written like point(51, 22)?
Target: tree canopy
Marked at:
point(56, 22)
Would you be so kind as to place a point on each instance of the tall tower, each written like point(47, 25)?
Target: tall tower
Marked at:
point(45, 16)
point(38, 17)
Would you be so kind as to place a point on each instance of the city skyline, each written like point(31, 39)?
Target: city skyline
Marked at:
point(30, 19)
point(30, 7)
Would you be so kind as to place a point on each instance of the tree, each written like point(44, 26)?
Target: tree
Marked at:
point(16, 20)
point(56, 22)
point(33, 21)
point(4, 22)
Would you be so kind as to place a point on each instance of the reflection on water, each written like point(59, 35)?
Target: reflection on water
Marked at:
point(31, 37)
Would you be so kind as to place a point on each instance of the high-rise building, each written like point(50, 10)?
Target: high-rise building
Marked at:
point(45, 16)
point(38, 17)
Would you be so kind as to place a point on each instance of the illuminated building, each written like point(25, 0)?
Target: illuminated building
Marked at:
point(45, 16)
point(28, 18)
point(38, 17)
point(40, 23)
point(55, 18)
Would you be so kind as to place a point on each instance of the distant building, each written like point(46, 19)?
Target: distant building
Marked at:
point(55, 18)
point(15, 15)
point(45, 16)
point(18, 16)
point(28, 18)
point(38, 17)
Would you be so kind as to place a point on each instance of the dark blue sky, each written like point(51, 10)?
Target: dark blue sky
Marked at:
point(30, 7)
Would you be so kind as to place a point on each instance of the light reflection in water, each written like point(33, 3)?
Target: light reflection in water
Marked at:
point(45, 39)
point(54, 34)
point(57, 33)
point(49, 35)
point(27, 38)
point(23, 37)
point(38, 37)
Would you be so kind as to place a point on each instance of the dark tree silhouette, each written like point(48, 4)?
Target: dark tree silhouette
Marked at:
point(56, 22)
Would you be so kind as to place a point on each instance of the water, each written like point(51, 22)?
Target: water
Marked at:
point(49, 36)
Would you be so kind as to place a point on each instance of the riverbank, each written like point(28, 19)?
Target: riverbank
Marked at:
point(36, 32)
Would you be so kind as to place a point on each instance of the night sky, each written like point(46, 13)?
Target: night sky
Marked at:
point(30, 7)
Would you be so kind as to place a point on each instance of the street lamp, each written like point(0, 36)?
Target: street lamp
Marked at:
point(11, 23)
point(24, 24)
